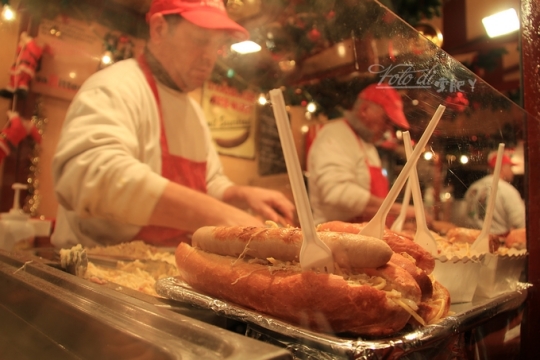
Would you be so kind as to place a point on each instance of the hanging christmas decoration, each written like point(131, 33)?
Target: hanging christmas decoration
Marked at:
point(22, 71)
point(106, 13)
point(116, 47)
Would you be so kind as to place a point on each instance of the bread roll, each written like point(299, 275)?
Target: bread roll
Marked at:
point(357, 304)
point(258, 268)
point(516, 239)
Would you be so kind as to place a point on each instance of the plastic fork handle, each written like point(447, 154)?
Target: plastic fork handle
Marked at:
point(400, 180)
point(291, 160)
point(423, 236)
point(415, 185)
point(481, 244)
point(298, 186)
point(398, 223)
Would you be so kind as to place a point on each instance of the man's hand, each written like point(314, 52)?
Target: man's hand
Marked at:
point(269, 204)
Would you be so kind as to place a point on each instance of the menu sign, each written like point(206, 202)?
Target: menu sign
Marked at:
point(271, 158)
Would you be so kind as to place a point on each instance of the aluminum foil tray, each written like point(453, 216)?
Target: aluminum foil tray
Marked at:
point(424, 342)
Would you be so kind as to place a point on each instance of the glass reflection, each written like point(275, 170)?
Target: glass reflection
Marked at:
point(331, 50)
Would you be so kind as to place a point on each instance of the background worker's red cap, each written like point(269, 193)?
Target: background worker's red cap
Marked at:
point(209, 14)
point(389, 99)
point(492, 160)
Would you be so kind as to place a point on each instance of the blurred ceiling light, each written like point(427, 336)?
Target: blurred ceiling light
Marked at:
point(262, 99)
point(311, 107)
point(246, 47)
point(106, 59)
point(463, 159)
point(501, 23)
point(287, 65)
point(7, 13)
point(430, 32)
point(428, 155)
point(341, 49)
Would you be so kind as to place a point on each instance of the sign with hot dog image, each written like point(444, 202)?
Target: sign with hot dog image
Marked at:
point(230, 114)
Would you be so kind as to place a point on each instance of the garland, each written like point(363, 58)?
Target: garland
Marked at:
point(107, 14)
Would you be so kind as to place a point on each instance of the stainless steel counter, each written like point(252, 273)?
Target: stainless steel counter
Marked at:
point(46, 313)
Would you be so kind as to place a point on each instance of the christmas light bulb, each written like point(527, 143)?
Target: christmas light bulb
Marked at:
point(106, 59)
point(7, 13)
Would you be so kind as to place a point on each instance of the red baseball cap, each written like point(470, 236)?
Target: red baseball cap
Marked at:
point(492, 160)
point(390, 100)
point(209, 14)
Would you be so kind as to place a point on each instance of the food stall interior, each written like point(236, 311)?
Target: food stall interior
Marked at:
point(320, 54)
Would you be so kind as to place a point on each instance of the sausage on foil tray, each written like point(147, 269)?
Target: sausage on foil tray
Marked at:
point(371, 292)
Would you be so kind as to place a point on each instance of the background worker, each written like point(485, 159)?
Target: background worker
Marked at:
point(346, 181)
point(509, 210)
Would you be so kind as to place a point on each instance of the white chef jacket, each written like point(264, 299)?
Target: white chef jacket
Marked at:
point(339, 181)
point(107, 165)
point(509, 210)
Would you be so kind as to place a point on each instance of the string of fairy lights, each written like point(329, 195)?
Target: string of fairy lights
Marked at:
point(32, 201)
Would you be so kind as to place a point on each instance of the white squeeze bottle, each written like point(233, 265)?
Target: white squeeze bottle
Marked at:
point(15, 226)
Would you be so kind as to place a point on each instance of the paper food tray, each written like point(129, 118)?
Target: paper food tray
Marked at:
point(459, 276)
point(428, 339)
point(499, 274)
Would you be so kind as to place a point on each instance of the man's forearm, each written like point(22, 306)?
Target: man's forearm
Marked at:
point(183, 208)
point(375, 203)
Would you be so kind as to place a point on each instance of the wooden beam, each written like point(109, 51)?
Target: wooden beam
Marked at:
point(454, 25)
point(484, 43)
point(530, 38)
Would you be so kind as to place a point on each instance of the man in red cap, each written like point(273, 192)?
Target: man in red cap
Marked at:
point(135, 159)
point(345, 177)
point(509, 210)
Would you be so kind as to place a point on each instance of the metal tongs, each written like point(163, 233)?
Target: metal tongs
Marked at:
point(74, 260)
point(481, 244)
point(376, 225)
point(314, 254)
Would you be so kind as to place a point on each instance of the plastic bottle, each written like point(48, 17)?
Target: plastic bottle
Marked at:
point(15, 227)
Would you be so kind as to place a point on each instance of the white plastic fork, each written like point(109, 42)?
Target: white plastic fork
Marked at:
point(375, 227)
point(423, 236)
point(481, 244)
point(397, 225)
point(314, 254)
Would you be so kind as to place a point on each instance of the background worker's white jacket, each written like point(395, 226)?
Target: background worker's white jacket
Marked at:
point(338, 175)
point(108, 161)
point(509, 210)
